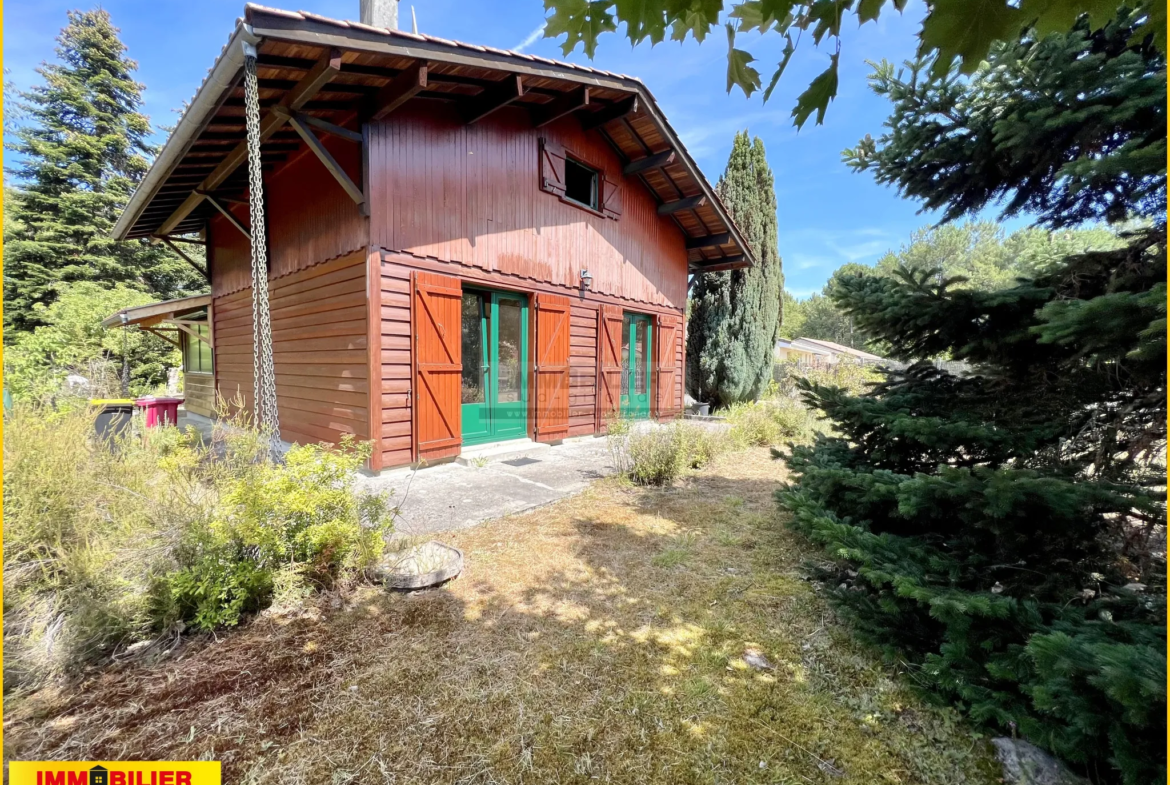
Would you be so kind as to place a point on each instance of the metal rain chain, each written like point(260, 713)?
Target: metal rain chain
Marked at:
point(264, 372)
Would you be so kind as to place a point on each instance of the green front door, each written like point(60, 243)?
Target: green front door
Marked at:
point(495, 366)
point(636, 353)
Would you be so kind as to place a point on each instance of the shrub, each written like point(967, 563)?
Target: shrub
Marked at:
point(107, 545)
point(767, 422)
point(658, 455)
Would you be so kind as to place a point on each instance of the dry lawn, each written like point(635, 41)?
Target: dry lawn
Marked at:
point(602, 638)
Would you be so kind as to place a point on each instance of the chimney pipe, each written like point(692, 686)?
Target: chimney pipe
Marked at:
point(380, 13)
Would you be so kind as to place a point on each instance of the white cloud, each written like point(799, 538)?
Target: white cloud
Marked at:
point(531, 38)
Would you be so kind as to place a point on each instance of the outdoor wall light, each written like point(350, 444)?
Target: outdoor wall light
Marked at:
point(586, 281)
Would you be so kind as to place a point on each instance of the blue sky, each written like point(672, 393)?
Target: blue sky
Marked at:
point(827, 215)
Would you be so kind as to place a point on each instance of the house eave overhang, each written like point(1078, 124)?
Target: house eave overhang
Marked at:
point(310, 32)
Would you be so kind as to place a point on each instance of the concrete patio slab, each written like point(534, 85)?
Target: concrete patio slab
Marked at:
point(453, 496)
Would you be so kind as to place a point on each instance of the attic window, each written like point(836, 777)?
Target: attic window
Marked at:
point(581, 183)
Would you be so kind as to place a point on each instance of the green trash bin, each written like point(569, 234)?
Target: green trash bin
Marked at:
point(114, 416)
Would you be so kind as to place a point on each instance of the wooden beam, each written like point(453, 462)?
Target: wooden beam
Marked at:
point(228, 214)
point(187, 240)
point(709, 241)
point(182, 255)
point(656, 161)
point(737, 262)
point(559, 107)
point(611, 112)
point(154, 331)
point(688, 203)
point(493, 98)
point(328, 160)
point(330, 128)
point(409, 83)
point(320, 75)
point(186, 327)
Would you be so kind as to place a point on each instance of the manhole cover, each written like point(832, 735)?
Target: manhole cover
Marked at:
point(521, 461)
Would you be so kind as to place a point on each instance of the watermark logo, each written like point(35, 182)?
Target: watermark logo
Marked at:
point(114, 773)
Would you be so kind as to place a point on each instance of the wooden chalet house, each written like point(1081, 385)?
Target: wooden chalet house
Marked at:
point(464, 245)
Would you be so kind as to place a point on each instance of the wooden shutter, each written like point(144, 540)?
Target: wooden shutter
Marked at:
point(552, 167)
point(667, 390)
point(611, 195)
point(552, 367)
point(438, 366)
point(609, 364)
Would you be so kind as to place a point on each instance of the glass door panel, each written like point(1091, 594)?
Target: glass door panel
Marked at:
point(476, 331)
point(495, 366)
point(637, 349)
point(509, 364)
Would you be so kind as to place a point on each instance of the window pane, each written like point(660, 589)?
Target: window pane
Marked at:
point(473, 360)
point(508, 372)
point(640, 354)
point(626, 354)
point(206, 354)
point(580, 183)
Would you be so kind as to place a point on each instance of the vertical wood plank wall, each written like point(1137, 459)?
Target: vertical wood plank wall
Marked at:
point(319, 347)
point(470, 195)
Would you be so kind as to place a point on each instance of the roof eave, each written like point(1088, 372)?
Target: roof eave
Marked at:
point(221, 77)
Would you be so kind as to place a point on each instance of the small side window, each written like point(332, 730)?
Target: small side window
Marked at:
point(581, 184)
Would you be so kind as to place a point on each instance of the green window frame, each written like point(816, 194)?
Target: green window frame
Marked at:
point(197, 354)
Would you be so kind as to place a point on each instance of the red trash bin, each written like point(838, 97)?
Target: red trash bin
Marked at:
point(160, 411)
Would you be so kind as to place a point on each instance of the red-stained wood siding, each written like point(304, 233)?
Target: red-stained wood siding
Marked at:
point(397, 412)
point(319, 342)
point(471, 196)
point(582, 369)
point(310, 219)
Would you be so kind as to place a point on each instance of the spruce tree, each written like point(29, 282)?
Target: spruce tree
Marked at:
point(735, 316)
point(1003, 530)
point(81, 149)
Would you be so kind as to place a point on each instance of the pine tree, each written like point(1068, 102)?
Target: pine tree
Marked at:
point(1003, 530)
point(81, 149)
point(735, 316)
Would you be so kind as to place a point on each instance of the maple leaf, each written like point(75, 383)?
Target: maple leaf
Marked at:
point(967, 29)
point(1059, 16)
point(738, 70)
point(816, 98)
point(868, 10)
point(644, 20)
point(789, 49)
point(580, 22)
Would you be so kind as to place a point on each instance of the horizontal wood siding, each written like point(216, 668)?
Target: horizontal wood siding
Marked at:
point(583, 369)
point(319, 344)
point(470, 195)
point(396, 348)
point(199, 393)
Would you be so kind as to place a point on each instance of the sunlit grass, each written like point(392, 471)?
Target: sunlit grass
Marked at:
point(602, 638)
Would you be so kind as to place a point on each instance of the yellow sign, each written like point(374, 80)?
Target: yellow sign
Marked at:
point(114, 773)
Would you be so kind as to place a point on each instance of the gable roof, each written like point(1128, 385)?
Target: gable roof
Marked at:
point(842, 349)
point(204, 151)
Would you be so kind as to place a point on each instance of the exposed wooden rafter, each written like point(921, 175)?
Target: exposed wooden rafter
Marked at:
point(320, 75)
point(612, 112)
point(170, 243)
point(409, 83)
point(330, 163)
point(656, 161)
point(544, 114)
point(228, 214)
point(167, 338)
point(493, 98)
point(737, 262)
point(687, 203)
point(329, 128)
point(711, 240)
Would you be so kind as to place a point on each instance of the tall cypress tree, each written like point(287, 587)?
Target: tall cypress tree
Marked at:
point(735, 316)
point(82, 148)
point(1004, 530)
